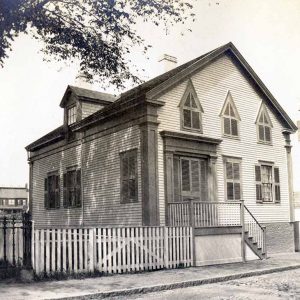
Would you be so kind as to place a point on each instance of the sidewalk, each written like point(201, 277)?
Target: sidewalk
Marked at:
point(96, 288)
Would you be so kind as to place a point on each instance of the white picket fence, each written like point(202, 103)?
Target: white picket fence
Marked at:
point(111, 250)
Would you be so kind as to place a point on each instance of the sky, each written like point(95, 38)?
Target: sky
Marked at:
point(265, 32)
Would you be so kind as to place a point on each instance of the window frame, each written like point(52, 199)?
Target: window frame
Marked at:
point(232, 160)
point(76, 188)
point(132, 153)
point(190, 90)
point(263, 110)
point(275, 185)
point(72, 117)
point(229, 101)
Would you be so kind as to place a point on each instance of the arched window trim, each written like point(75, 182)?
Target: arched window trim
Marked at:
point(264, 129)
point(197, 110)
point(230, 119)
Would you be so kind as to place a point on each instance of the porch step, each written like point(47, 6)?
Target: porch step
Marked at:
point(254, 247)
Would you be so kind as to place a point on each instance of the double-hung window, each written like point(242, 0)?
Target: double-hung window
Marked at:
point(264, 126)
point(71, 115)
point(267, 183)
point(191, 110)
point(233, 179)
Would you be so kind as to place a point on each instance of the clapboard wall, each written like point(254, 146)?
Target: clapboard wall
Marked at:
point(212, 84)
point(98, 156)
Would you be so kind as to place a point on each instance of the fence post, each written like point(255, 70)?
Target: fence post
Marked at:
point(91, 249)
point(265, 241)
point(33, 241)
point(192, 224)
point(4, 240)
point(242, 221)
point(166, 247)
point(27, 240)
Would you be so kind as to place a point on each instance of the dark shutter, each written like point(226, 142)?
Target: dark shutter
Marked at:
point(267, 134)
point(234, 127)
point(65, 191)
point(187, 119)
point(46, 202)
point(176, 179)
point(258, 184)
point(261, 135)
point(195, 120)
point(277, 185)
point(195, 170)
point(57, 191)
point(78, 188)
point(237, 191)
point(227, 126)
point(129, 181)
point(185, 175)
point(203, 180)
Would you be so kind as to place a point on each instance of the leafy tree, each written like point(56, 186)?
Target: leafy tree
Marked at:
point(98, 33)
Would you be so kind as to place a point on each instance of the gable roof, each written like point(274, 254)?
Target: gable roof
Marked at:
point(151, 89)
point(86, 94)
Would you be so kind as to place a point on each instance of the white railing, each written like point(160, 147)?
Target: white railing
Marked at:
point(255, 231)
point(111, 250)
point(204, 214)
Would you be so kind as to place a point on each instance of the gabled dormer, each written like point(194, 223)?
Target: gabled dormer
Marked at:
point(78, 103)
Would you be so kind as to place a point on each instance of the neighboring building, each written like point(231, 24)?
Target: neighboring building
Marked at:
point(13, 199)
point(208, 130)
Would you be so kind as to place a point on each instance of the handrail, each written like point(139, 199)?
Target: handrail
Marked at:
point(206, 202)
point(254, 218)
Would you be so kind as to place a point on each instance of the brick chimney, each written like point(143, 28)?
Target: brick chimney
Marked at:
point(167, 63)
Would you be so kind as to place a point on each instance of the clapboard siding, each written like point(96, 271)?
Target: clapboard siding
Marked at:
point(212, 84)
point(89, 108)
point(101, 180)
point(100, 166)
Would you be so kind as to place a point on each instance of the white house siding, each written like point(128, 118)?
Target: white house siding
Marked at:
point(89, 108)
point(100, 165)
point(101, 179)
point(212, 84)
point(54, 162)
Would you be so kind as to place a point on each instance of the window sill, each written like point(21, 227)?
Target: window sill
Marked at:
point(192, 130)
point(54, 208)
point(268, 203)
point(232, 137)
point(265, 143)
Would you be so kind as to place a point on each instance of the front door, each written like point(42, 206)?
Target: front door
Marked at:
point(190, 179)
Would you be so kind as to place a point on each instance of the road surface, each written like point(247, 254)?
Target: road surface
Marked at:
point(281, 285)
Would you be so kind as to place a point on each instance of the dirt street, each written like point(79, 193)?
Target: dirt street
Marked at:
point(282, 285)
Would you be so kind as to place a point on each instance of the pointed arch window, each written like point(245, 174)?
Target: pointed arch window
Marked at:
point(264, 125)
point(191, 110)
point(230, 117)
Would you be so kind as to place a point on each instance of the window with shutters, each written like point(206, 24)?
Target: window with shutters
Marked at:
point(233, 179)
point(191, 110)
point(264, 126)
point(72, 188)
point(129, 177)
point(71, 114)
point(52, 191)
point(230, 118)
point(190, 179)
point(267, 184)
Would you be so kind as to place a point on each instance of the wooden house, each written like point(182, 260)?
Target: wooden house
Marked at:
point(197, 144)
